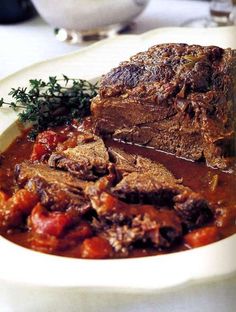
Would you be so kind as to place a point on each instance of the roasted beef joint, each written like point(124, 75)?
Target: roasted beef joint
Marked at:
point(174, 97)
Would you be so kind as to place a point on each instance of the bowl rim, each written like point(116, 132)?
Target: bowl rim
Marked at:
point(29, 267)
point(21, 265)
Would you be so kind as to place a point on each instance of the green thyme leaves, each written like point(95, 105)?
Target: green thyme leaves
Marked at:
point(51, 103)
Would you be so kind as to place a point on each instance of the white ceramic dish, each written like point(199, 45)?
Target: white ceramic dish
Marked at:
point(85, 15)
point(33, 281)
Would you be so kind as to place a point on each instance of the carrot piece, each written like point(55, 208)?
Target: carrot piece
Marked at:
point(3, 197)
point(201, 237)
point(44, 243)
point(81, 231)
point(95, 248)
point(23, 201)
point(19, 205)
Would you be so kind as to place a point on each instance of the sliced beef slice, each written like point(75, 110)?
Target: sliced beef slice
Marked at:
point(152, 183)
point(173, 97)
point(57, 190)
point(142, 180)
point(139, 187)
point(87, 160)
point(124, 162)
point(126, 225)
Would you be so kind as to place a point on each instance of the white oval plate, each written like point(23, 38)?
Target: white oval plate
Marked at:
point(27, 267)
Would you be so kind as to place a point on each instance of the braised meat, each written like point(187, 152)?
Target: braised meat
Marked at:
point(193, 209)
point(124, 162)
point(146, 182)
point(133, 202)
point(147, 205)
point(173, 97)
point(125, 225)
point(128, 163)
point(142, 180)
point(139, 187)
point(87, 160)
point(57, 190)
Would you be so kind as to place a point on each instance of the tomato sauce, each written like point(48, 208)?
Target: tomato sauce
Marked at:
point(216, 186)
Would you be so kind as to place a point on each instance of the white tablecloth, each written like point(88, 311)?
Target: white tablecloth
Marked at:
point(32, 41)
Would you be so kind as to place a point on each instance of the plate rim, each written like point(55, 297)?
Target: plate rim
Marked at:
point(131, 267)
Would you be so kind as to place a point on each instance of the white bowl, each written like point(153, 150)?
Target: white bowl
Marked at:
point(201, 279)
point(84, 15)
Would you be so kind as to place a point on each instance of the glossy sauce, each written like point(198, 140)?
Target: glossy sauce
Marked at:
point(199, 177)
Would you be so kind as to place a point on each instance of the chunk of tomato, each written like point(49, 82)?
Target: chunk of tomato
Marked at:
point(49, 223)
point(45, 143)
point(39, 150)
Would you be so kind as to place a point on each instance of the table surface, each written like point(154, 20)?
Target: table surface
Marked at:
point(32, 41)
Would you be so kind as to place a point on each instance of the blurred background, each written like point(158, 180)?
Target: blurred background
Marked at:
point(32, 31)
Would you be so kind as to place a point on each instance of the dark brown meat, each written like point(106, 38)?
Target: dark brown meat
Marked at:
point(139, 187)
point(128, 163)
point(125, 225)
point(139, 203)
point(57, 190)
point(124, 162)
point(147, 182)
point(143, 181)
point(193, 209)
point(87, 160)
point(173, 97)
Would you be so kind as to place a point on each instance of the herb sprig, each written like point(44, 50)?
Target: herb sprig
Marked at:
point(51, 103)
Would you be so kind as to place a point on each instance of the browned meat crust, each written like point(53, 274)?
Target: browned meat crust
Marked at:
point(173, 97)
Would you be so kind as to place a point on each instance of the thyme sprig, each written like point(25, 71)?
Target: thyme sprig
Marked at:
point(51, 103)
